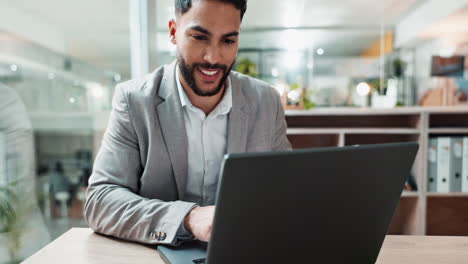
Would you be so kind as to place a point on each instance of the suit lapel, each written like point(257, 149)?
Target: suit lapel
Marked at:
point(238, 120)
point(171, 118)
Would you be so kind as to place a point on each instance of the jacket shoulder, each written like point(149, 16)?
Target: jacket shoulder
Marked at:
point(137, 84)
point(145, 87)
point(255, 90)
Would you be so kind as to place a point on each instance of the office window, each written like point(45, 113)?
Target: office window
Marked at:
point(59, 64)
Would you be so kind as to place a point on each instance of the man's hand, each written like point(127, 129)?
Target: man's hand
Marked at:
point(199, 222)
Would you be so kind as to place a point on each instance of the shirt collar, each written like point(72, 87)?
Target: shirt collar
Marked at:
point(223, 107)
point(184, 101)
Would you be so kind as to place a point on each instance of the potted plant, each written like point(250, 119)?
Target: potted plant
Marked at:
point(384, 96)
point(13, 213)
point(247, 67)
point(398, 67)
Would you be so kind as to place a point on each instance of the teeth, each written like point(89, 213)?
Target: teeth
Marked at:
point(210, 73)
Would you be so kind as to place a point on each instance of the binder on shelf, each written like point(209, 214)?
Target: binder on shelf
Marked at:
point(432, 166)
point(456, 155)
point(443, 164)
point(465, 165)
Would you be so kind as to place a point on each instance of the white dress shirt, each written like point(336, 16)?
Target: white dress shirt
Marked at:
point(207, 145)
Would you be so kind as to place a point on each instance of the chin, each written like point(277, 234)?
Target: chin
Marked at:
point(208, 89)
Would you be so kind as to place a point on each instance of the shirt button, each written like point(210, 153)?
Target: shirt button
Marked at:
point(161, 236)
point(152, 235)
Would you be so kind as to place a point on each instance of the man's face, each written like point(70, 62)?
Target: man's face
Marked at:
point(207, 42)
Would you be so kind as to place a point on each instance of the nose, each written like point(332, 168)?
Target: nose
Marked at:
point(212, 54)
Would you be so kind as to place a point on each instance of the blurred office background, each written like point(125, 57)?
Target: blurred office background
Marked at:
point(60, 61)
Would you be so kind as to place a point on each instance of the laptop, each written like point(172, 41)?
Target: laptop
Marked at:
point(323, 205)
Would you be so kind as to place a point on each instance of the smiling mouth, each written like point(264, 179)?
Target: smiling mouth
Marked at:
point(209, 75)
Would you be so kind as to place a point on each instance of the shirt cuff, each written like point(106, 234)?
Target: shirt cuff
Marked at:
point(182, 233)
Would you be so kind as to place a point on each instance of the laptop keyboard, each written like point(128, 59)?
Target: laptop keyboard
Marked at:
point(199, 261)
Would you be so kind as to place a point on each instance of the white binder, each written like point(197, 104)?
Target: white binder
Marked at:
point(456, 164)
point(432, 166)
point(465, 165)
point(443, 164)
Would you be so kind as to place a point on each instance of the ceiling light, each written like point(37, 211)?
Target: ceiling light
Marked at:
point(363, 89)
point(320, 51)
point(97, 91)
point(292, 60)
point(292, 39)
point(274, 72)
point(14, 67)
point(293, 13)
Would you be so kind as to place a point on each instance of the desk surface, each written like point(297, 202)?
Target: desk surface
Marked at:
point(81, 245)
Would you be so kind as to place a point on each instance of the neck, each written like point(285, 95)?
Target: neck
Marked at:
point(204, 103)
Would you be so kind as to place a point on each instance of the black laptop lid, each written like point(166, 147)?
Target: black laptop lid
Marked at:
point(328, 205)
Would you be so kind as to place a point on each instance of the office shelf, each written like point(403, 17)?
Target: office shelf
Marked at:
point(448, 131)
point(447, 215)
point(311, 131)
point(447, 194)
point(410, 194)
point(418, 213)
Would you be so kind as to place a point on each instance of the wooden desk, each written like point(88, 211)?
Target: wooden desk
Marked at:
point(81, 245)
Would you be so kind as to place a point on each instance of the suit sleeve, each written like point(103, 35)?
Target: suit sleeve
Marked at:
point(113, 206)
point(280, 140)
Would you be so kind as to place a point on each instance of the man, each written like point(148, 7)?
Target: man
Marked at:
point(156, 174)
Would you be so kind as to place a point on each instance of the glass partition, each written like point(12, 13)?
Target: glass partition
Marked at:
point(58, 71)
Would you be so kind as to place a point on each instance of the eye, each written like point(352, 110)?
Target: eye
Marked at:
point(229, 41)
point(199, 37)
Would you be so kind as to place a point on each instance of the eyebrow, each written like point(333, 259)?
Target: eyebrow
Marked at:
point(231, 34)
point(207, 32)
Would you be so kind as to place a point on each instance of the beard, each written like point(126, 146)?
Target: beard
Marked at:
point(188, 71)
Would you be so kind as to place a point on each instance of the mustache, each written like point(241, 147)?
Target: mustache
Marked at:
point(211, 66)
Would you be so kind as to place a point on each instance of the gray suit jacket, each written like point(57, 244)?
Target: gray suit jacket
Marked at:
point(136, 190)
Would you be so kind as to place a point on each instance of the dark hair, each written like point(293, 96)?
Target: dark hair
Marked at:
point(182, 6)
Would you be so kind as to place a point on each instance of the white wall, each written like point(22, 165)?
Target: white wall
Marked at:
point(430, 12)
point(31, 27)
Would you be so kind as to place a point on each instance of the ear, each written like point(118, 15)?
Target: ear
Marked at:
point(172, 31)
